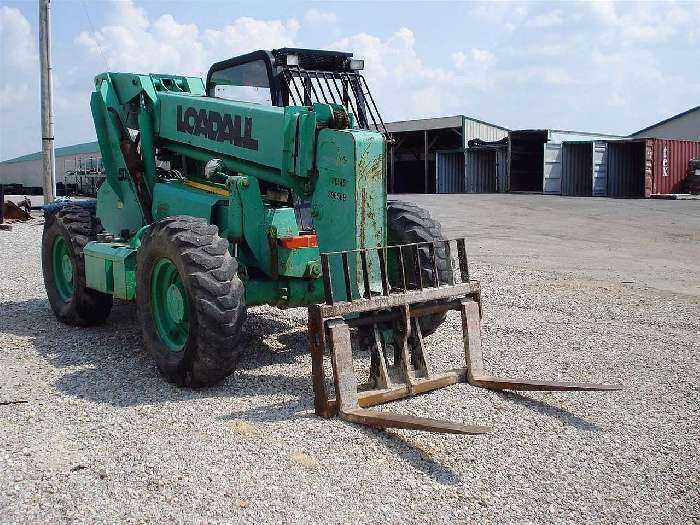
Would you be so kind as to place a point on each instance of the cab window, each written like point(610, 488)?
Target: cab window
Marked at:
point(245, 82)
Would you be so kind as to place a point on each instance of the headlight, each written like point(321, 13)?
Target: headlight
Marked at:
point(355, 64)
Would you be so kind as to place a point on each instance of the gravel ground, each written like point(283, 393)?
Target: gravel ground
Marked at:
point(103, 438)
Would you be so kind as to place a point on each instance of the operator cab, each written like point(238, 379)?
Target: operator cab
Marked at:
point(297, 77)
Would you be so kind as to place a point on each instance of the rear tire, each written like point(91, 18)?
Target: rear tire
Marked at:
point(408, 223)
point(66, 232)
point(191, 303)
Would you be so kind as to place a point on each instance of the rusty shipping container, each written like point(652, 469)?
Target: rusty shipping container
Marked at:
point(642, 167)
point(667, 164)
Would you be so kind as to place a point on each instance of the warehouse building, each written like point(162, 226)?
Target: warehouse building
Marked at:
point(684, 126)
point(428, 155)
point(78, 171)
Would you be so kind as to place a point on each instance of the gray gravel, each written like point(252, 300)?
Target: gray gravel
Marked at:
point(104, 438)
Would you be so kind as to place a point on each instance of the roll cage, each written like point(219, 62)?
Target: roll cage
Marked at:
point(301, 77)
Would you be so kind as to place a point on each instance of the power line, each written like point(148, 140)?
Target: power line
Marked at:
point(92, 28)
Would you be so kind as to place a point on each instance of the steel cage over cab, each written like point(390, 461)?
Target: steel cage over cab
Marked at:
point(302, 77)
point(396, 308)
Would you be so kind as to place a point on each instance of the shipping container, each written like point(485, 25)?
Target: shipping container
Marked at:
point(449, 171)
point(642, 167)
point(577, 169)
point(486, 169)
point(626, 168)
point(668, 160)
point(584, 169)
point(536, 157)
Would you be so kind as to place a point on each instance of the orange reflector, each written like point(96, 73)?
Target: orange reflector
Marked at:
point(299, 241)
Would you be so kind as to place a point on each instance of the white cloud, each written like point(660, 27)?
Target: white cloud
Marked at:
point(551, 19)
point(130, 41)
point(547, 74)
point(248, 34)
point(502, 15)
point(17, 44)
point(399, 79)
point(481, 56)
point(646, 22)
point(315, 17)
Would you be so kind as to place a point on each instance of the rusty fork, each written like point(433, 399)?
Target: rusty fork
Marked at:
point(400, 307)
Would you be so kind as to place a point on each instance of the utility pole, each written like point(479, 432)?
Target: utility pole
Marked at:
point(49, 161)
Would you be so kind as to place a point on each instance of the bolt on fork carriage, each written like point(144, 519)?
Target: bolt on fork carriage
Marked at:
point(382, 297)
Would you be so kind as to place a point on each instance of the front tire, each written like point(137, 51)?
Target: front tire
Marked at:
point(66, 232)
point(408, 223)
point(191, 303)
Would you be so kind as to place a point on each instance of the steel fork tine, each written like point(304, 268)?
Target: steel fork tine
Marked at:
point(475, 365)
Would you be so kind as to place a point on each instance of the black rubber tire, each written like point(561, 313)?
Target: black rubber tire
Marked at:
point(215, 300)
point(408, 223)
point(77, 225)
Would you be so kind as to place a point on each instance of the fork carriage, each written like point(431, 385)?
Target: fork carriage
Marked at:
point(388, 317)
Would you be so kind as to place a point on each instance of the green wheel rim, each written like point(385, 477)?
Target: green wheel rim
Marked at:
point(63, 270)
point(169, 305)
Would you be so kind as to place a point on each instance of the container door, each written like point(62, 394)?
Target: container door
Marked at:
point(551, 183)
point(449, 172)
point(501, 170)
point(600, 169)
point(481, 171)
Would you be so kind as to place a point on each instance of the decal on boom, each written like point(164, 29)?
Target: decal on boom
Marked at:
point(215, 126)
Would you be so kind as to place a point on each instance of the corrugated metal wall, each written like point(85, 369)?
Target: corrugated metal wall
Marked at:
point(476, 170)
point(502, 169)
point(479, 130)
point(626, 168)
point(449, 171)
point(669, 164)
point(481, 171)
point(577, 169)
point(551, 174)
point(600, 169)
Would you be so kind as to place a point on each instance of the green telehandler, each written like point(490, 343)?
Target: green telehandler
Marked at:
point(266, 185)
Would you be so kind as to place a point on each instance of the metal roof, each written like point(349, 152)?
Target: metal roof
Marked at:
point(66, 151)
point(585, 133)
point(669, 119)
point(454, 121)
point(563, 135)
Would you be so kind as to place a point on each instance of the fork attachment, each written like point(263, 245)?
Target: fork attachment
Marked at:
point(387, 316)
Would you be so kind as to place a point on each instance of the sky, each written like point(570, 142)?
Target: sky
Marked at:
point(603, 66)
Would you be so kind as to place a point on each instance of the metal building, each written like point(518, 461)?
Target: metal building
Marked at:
point(684, 126)
point(78, 168)
point(428, 155)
